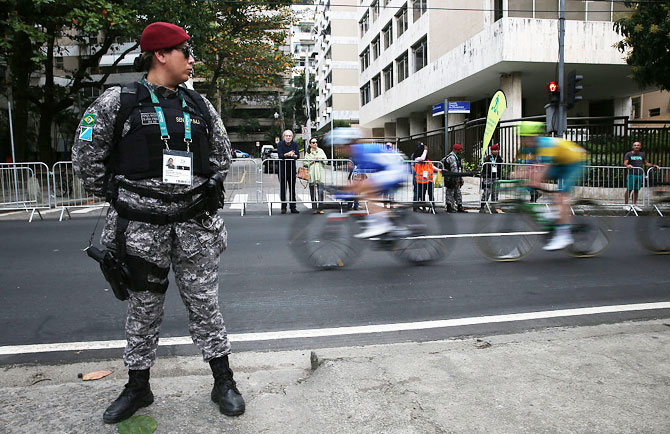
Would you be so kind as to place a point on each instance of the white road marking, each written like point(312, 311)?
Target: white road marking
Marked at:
point(342, 331)
point(87, 210)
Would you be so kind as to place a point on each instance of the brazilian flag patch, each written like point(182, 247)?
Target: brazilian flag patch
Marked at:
point(88, 120)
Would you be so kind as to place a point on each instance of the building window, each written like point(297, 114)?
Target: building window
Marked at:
point(364, 24)
point(329, 77)
point(497, 10)
point(402, 65)
point(420, 52)
point(365, 59)
point(655, 112)
point(387, 32)
point(58, 62)
point(376, 48)
point(375, 11)
point(388, 77)
point(329, 54)
point(401, 20)
point(419, 7)
point(637, 110)
point(376, 85)
point(365, 94)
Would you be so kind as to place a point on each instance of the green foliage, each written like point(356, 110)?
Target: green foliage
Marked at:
point(138, 424)
point(646, 35)
point(294, 104)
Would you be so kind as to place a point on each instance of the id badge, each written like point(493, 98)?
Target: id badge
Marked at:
point(177, 167)
point(425, 174)
point(494, 169)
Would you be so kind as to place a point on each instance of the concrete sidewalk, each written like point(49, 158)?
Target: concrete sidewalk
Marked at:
point(598, 379)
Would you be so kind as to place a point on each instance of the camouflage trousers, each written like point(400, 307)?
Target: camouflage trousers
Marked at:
point(453, 197)
point(193, 251)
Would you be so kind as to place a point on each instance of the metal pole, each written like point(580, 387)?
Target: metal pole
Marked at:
point(562, 115)
point(446, 127)
point(332, 148)
point(11, 137)
point(309, 120)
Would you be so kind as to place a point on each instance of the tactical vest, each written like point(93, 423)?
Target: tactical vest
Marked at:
point(139, 154)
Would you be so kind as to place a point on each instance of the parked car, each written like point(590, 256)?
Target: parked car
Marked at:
point(268, 152)
point(239, 154)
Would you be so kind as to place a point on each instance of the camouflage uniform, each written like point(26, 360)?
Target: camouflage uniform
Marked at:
point(192, 248)
point(453, 194)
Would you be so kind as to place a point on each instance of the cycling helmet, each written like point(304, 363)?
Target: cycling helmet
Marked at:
point(532, 128)
point(342, 136)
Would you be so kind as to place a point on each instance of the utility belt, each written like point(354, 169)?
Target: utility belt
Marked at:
point(126, 272)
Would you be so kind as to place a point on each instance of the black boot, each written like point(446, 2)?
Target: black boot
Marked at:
point(137, 394)
point(460, 209)
point(225, 391)
point(450, 208)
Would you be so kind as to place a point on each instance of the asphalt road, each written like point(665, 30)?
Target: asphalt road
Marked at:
point(51, 292)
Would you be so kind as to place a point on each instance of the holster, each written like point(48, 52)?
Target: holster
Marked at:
point(214, 194)
point(115, 271)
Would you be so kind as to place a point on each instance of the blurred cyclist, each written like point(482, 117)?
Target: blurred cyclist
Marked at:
point(556, 159)
point(385, 173)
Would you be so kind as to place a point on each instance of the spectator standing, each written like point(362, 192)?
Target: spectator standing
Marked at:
point(288, 152)
point(632, 160)
point(452, 184)
point(314, 160)
point(417, 157)
point(490, 174)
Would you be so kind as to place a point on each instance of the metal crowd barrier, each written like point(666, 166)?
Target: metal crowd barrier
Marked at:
point(68, 190)
point(25, 186)
point(242, 184)
point(336, 173)
point(606, 184)
point(340, 172)
point(658, 184)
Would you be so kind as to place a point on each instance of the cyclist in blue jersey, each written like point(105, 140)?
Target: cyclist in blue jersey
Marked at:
point(385, 172)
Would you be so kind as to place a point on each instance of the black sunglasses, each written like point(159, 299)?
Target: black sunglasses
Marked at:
point(187, 51)
point(313, 141)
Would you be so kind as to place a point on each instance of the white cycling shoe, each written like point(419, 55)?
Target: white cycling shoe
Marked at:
point(559, 241)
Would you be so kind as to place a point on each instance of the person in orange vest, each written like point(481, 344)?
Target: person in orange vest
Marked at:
point(424, 178)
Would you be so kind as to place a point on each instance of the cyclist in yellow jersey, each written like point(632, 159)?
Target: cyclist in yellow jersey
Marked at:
point(557, 159)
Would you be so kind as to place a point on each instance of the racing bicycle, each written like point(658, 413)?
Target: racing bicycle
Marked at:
point(327, 241)
point(518, 225)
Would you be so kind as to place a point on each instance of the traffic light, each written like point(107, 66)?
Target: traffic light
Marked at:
point(554, 94)
point(573, 88)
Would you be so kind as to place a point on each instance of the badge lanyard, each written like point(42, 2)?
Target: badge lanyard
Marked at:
point(165, 136)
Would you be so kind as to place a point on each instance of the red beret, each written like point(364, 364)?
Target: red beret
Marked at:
point(162, 35)
point(495, 147)
point(457, 146)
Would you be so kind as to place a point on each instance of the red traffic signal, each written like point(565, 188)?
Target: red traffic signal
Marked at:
point(553, 87)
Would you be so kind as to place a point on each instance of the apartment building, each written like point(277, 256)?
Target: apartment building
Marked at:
point(337, 73)
point(415, 53)
point(652, 106)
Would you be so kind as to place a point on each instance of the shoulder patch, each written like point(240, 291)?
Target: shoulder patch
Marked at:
point(86, 134)
point(88, 120)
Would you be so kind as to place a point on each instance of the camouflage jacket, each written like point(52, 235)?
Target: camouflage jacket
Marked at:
point(90, 153)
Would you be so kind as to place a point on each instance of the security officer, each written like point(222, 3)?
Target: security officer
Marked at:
point(161, 216)
point(452, 184)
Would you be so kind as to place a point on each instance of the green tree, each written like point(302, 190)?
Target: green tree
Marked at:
point(33, 30)
point(646, 33)
point(294, 104)
point(243, 48)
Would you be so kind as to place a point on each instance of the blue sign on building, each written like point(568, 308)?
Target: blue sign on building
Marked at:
point(454, 107)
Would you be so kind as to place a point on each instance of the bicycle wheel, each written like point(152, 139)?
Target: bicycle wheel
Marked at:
point(507, 235)
point(590, 233)
point(653, 231)
point(325, 241)
point(414, 248)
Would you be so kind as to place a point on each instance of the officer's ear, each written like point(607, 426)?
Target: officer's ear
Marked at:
point(160, 56)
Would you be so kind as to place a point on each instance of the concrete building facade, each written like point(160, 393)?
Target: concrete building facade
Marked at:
point(337, 71)
point(415, 53)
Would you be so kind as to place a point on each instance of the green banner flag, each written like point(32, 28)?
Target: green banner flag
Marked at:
point(496, 109)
